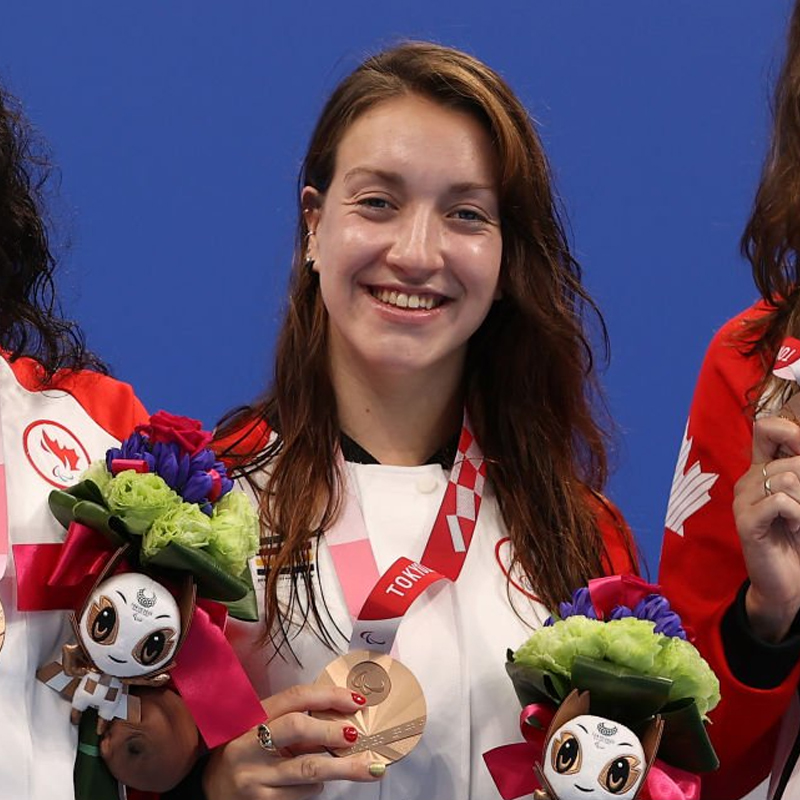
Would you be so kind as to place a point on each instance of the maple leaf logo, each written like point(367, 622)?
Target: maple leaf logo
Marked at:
point(66, 455)
point(54, 452)
point(690, 488)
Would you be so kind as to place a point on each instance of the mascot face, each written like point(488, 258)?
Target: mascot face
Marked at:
point(594, 759)
point(130, 626)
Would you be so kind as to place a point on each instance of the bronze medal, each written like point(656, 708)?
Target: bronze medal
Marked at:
point(391, 722)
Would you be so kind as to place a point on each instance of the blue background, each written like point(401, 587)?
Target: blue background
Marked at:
point(179, 128)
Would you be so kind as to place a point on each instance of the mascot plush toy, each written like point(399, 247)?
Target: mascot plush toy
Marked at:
point(586, 755)
point(154, 558)
point(128, 634)
point(614, 700)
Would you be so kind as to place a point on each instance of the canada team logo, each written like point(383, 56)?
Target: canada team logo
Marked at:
point(54, 452)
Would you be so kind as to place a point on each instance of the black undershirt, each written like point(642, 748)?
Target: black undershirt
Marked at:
point(753, 661)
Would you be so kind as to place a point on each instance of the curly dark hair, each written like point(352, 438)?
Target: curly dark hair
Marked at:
point(31, 323)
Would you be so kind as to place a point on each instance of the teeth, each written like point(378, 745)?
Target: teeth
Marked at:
point(403, 300)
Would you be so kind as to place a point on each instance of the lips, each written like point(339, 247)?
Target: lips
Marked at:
point(413, 301)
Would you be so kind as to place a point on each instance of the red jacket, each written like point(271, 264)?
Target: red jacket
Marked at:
point(702, 567)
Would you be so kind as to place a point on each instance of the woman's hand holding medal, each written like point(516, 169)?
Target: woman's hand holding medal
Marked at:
point(289, 759)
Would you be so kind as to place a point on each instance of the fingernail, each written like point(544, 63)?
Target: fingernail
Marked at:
point(359, 698)
point(350, 733)
point(377, 770)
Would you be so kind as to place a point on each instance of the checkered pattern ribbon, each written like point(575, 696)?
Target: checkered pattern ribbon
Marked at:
point(452, 532)
point(378, 602)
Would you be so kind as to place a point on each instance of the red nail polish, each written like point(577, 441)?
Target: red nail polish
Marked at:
point(350, 733)
point(359, 698)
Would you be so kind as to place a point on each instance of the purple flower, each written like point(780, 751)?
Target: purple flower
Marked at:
point(191, 476)
point(134, 447)
point(620, 612)
point(655, 607)
point(581, 605)
point(197, 487)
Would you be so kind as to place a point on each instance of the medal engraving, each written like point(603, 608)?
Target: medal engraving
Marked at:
point(370, 680)
point(391, 722)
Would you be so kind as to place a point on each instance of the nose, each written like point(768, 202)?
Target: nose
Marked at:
point(417, 246)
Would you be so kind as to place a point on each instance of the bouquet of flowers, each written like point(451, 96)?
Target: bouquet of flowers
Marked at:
point(155, 557)
point(619, 640)
point(163, 493)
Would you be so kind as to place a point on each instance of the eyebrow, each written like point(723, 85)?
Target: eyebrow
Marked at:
point(395, 179)
point(122, 596)
point(163, 616)
point(582, 728)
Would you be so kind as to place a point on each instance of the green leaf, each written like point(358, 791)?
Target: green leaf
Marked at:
point(100, 519)
point(534, 685)
point(685, 743)
point(61, 505)
point(212, 581)
point(87, 490)
point(620, 693)
point(67, 507)
point(245, 609)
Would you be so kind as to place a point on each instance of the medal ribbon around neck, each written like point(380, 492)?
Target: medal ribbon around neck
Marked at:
point(377, 602)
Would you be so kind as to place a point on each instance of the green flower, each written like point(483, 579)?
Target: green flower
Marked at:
point(680, 661)
point(139, 498)
point(633, 644)
point(98, 474)
point(185, 524)
point(234, 532)
point(555, 647)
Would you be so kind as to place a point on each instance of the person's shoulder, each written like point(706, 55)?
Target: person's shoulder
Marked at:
point(737, 334)
point(110, 402)
point(241, 440)
point(621, 555)
point(731, 355)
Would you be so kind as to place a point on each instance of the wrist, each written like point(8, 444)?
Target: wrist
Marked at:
point(769, 620)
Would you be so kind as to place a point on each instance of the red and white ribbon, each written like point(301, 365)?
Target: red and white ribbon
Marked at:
point(787, 363)
point(377, 602)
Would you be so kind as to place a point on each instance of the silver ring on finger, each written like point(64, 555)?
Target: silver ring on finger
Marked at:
point(265, 741)
point(767, 487)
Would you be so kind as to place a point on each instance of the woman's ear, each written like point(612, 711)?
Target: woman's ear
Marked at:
point(311, 203)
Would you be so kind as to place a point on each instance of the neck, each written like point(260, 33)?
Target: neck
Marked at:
point(398, 419)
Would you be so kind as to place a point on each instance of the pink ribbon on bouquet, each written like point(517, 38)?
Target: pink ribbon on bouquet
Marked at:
point(58, 576)
point(618, 590)
point(511, 765)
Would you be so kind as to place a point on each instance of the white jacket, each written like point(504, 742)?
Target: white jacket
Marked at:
point(48, 438)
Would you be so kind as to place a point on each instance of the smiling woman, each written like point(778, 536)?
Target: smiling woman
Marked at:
point(431, 408)
point(407, 245)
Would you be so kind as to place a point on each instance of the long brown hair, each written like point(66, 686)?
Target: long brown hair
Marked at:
point(529, 376)
point(771, 239)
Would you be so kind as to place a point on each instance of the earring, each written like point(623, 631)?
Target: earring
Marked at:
point(309, 262)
